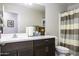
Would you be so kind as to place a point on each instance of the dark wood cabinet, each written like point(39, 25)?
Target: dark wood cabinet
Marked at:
point(17, 49)
point(44, 47)
point(40, 47)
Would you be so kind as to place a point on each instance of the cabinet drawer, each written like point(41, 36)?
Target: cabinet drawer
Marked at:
point(49, 41)
point(38, 43)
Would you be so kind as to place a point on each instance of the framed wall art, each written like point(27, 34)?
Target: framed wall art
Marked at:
point(10, 23)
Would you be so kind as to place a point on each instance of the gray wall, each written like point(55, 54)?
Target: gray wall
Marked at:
point(52, 18)
point(0, 6)
point(74, 6)
point(1, 9)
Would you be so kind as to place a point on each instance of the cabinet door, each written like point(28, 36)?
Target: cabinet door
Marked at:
point(39, 48)
point(51, 47)
point(45, 47)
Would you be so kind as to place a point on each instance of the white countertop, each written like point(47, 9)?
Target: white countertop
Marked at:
point(19, 39)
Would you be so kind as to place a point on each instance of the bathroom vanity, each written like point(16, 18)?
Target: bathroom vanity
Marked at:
point(29, 46)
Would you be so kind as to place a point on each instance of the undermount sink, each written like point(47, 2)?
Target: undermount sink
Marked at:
point(13, 37)
point(16, 35)
point(3, 36)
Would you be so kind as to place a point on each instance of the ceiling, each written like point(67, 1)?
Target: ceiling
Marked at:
point(41, 6)
point(35, 6)
point(69, 4)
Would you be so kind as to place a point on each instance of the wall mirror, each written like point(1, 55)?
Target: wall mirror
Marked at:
point(15, 17)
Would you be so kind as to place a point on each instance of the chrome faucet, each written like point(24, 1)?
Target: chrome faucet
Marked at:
point(14, 36)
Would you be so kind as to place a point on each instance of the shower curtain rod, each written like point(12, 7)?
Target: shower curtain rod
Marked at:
point(69, 10)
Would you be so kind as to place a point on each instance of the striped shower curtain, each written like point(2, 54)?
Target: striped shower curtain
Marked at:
point(69, 29)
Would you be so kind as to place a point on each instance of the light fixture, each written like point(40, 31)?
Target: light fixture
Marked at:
point(30, 4)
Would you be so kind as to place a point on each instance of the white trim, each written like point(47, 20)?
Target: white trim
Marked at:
point(59, 29)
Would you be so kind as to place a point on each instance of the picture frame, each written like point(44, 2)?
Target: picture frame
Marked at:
point(10, 23)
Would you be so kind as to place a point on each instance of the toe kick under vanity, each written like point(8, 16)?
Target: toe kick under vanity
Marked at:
point(29, 46)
